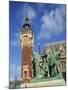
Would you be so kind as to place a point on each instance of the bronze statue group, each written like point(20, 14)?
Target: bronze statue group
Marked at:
point(46, 65)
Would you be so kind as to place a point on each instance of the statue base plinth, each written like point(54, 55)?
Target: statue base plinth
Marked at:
point(59, 82)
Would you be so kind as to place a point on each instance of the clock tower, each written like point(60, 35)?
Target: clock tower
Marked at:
point(26, 41)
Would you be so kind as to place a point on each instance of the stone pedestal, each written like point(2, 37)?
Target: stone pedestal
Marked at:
point(59, 82)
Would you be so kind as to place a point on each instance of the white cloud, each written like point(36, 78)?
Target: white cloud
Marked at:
point(52, 23)
point(19, 69)
point(12, 71)
point(18, 72)
point(15, 71)
point(12, 66)
point(27, 9)
point(31, 13)
point(15, 42)
point(40, 7)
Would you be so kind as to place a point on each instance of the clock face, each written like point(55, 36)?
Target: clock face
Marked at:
point(25, 40)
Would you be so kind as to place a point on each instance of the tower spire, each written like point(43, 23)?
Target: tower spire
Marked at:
point(26, 19)
point(26, 16)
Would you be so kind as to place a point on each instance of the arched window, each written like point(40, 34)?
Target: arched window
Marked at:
point(25, 74)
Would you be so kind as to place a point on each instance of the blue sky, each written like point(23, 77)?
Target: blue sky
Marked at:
point(48, 25)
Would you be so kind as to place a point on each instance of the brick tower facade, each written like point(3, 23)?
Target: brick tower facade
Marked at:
point(26, 40)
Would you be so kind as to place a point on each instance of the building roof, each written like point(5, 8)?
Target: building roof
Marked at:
point(55, 43)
